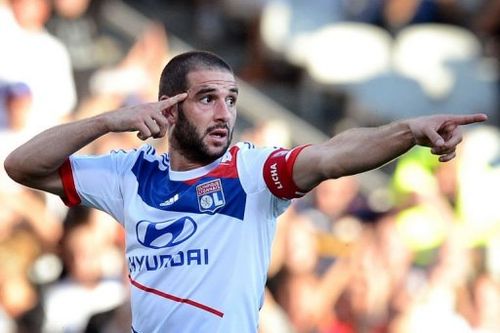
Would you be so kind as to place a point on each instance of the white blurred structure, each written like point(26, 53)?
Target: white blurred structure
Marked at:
point(424, 52)
point(33, 56)
point(348, 52)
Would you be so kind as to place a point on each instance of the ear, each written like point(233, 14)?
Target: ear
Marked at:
point(171, 112)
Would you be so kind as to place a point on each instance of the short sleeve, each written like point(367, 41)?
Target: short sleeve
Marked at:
point(95, 181)
point(259, 167)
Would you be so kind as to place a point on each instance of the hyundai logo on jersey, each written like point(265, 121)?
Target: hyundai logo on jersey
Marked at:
point(210, 196)
point(170, 233)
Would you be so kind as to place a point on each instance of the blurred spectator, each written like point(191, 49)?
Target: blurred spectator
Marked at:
point(27, 232)
point(15, 109)
point(273, 319)
point(37, 218)
point(335, 197)
point(397, 14)
point(7, 20)
point(306, 295)
point(19, 297)
point(208, 20)
point(434, 307)
point(363, 10)
point(486, 300)
point(133, 79)
point(93, 279)
point(487, 25)
point(79, 26)
point(362, 305)
point(299, 281)
point(336, 201)
point(18, 105)
point(116, 320)
point(33, 56)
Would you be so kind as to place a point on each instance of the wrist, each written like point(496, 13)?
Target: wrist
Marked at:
point(405, 132)
point(103, 123)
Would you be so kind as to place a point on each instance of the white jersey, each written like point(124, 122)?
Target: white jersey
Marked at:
point(198, 242)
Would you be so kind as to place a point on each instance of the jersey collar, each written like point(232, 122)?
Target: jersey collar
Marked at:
point(194, 173)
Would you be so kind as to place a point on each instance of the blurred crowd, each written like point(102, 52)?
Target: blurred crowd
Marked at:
point(361, 62)
point(415, 249)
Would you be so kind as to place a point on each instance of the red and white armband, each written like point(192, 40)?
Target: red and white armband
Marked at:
point(278, 173)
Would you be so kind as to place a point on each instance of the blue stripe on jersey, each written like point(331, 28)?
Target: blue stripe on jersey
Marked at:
point(157, 190)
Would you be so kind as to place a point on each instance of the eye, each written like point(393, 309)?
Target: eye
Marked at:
point(231, 101)
point(206, 99)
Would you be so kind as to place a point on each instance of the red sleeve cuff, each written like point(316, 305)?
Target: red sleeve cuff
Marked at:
point(71, 197)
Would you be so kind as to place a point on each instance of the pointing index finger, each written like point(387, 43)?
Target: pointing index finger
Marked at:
point(470, 119)
point(168, 102)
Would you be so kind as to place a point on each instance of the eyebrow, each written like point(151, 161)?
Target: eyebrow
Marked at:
point(211, 89)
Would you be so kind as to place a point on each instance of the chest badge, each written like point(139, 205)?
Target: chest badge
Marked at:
point(210, 196)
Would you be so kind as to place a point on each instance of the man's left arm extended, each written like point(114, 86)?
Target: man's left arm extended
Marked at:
point(361, 149)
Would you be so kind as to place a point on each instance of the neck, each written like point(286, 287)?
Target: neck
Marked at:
point(180, 162)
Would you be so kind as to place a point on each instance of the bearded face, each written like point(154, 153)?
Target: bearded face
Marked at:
point(189, 140)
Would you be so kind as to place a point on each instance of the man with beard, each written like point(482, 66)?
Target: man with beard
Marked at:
point(200, 219)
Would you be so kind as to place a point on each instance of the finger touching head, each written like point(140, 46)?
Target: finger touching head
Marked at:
point(166, 104)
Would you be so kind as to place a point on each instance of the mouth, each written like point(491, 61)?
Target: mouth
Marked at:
point(218, 135)
point(218, 131)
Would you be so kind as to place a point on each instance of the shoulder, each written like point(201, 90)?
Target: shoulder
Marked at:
point(244, 145)
point(121, 159)
point(146, 153)
point(248, 150)
point(249, 157)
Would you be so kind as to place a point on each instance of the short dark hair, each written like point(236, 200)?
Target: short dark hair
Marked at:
point(173, 78)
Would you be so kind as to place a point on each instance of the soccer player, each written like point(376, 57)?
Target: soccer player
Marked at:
point(200, 219)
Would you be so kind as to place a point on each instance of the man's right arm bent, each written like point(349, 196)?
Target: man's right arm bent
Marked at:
point(36, 163)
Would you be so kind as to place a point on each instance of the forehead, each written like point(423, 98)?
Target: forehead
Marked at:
point(217, 79)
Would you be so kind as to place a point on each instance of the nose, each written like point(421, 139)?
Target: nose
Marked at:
point(223, 111)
